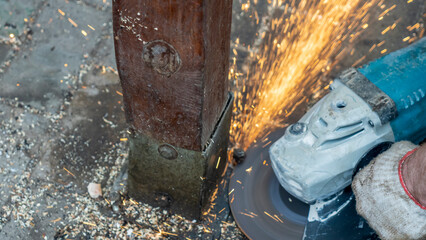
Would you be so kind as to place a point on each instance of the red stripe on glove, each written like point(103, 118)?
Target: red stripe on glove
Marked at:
point(401, 180)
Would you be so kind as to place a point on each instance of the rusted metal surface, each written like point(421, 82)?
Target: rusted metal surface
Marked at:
point(172, 58)
point(176, 178)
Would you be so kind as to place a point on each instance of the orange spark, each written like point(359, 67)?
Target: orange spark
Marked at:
point(299, 48)
point(231, 192)
point(385, 30)
point(56, 220)
point(358, 61)
point(113, 70)
point(91, 224)
point(69, 172)
point(72, 22)
point(386, 11)
point(246, 214)
point(269, 215)
point(218, 161)
point(61, 12)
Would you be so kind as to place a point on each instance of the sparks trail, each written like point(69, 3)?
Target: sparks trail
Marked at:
point(299, 48)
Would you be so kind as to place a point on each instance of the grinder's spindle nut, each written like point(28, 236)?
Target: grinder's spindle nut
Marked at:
point(239, 155)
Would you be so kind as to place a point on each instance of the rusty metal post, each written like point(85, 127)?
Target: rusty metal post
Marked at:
point(172, 58)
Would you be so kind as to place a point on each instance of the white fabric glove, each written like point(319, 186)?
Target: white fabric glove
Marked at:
point(383, 202)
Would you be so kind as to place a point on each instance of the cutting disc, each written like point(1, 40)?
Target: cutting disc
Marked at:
point(261, 207)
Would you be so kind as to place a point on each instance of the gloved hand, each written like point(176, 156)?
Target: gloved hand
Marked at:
point(390, 192)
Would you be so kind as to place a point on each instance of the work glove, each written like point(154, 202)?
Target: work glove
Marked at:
point(382, 195)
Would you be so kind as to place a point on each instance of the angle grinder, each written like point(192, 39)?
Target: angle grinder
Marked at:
point(300, 188)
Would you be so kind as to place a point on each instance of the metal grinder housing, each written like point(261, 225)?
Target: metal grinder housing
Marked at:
point(383, 101)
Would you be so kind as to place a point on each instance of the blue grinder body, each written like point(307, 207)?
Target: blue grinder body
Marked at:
point(402, 76)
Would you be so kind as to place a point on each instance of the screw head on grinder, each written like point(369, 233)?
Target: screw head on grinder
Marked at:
point(298, 128)
point(239, 155)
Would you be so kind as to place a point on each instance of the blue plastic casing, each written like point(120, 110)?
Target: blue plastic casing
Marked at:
point(402, 76)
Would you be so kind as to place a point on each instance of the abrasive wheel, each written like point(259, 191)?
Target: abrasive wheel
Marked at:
point(260, 206)
point(264, 210)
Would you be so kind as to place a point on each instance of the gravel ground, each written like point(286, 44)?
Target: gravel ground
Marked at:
point(62, 127)
point(62, 124)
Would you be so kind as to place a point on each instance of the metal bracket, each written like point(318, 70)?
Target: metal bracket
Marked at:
point(183, 180)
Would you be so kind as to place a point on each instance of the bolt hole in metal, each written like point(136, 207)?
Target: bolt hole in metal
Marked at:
point(162, 57)
point(298, 128)
point(340, 104)
point(167, 151)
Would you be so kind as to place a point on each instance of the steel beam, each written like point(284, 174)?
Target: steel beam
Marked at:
point(172, 58)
